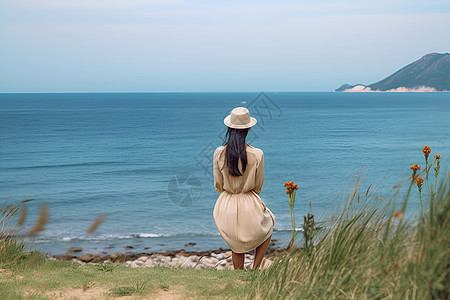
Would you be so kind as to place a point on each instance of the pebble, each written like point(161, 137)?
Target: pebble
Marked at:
point(143, 258)
point(218, 261)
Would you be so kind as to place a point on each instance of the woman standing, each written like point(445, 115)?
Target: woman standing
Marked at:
point(243, 220)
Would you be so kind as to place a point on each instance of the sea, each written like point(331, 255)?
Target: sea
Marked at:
point(143, 161)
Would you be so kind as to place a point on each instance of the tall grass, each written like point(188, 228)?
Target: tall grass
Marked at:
point(13, 249)
point(368, 252)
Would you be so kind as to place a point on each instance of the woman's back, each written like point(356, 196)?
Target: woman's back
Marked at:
point(252, 179)
point(242, 218)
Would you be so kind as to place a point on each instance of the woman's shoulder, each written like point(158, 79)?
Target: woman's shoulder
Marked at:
point(218, 152)
point(258, 152)
point(219, 149)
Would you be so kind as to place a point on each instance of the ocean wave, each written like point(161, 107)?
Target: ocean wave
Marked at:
point(106, 237)
point(287, 229)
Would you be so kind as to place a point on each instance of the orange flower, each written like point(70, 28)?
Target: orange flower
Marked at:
point(437, 156)
point(290, 187)
point(415, 167)
point(399, 215)
point(426, 151)
point(419, 181)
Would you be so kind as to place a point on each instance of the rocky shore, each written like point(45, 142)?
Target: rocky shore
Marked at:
point(219, 259)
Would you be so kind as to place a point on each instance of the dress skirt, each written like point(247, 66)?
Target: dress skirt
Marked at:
point(243, 220)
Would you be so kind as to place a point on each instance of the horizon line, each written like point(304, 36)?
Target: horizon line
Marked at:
point(111, 92)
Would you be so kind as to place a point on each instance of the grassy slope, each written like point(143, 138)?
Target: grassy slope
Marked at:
point(37, 278)
point(367, 253)
point(364, 253)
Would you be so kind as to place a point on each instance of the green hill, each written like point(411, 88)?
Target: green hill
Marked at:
point(432, 70)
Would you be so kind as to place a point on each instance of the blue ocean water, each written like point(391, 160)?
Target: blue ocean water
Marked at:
point(144, 160)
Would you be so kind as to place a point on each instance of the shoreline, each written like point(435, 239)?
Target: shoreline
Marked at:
point(219, 259)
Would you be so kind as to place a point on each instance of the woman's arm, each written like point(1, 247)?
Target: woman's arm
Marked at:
point(259, 176)
point(218, 177)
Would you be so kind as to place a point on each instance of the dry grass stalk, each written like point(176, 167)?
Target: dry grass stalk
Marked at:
point(96, 223)
point(10, 210)
point(368, 189)
point(23, 215)
point(43, 218)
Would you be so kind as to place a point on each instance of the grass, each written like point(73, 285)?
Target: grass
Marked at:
point(367, 253)
point(26, 274)
point(52, 279)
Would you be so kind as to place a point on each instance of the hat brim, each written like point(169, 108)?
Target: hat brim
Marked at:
point(227, 122)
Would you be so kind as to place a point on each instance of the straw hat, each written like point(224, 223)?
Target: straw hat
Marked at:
point(239, 119)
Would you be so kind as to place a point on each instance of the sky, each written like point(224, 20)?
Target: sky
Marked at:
point(212, 46)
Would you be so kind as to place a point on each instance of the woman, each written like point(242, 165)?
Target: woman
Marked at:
point(243, 220)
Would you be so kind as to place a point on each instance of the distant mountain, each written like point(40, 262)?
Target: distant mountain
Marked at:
point(428, 74)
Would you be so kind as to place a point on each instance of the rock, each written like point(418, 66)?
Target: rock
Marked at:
point(181, 260)
point(191, 244)
point(214, 260)
point(87, 257)
point(118, 257)
point(189, 263)
point(65, 257)
point(132, 256)
point(209, 262)
point(199, 266)
point(149, 263)
point(194, 258)
point(228, 253)
point(165, 260)
point(137, 263)
point(97, 259)
point(143, 258)
point(146, 248)
point(129, 247)
point(182, 252)
point(78, 261)
point(174, 263)
point(220, 267)
point(155, 257)
point(169, 253)
point(106, 257)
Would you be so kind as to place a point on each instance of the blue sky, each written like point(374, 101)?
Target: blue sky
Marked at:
point(177, 45)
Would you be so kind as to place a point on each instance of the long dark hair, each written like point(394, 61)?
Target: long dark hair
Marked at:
point(235, 150)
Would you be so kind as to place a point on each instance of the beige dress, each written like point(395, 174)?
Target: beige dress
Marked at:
point(243, 220)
